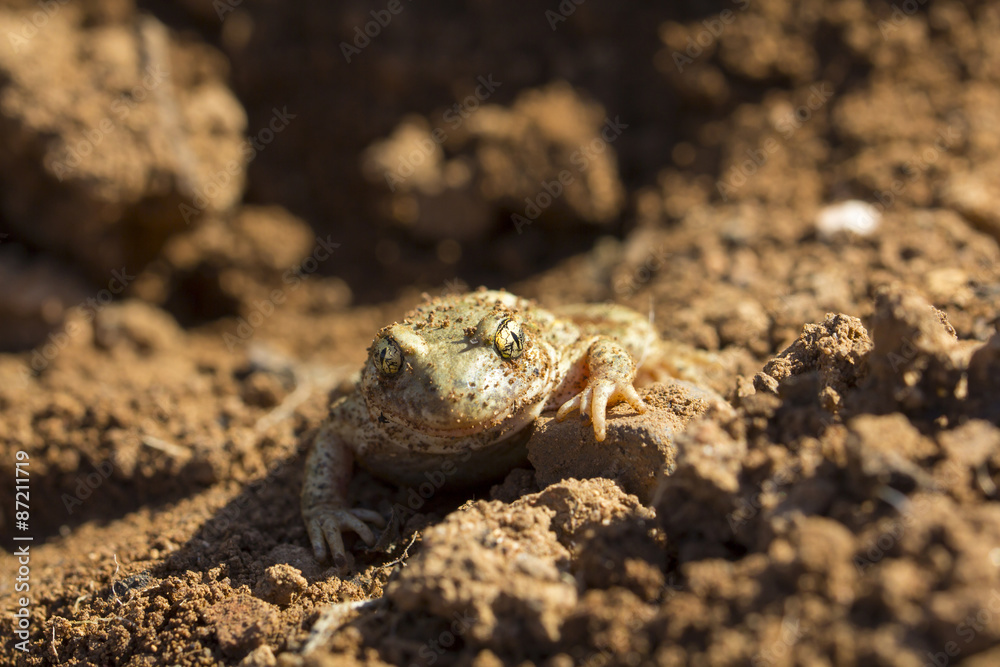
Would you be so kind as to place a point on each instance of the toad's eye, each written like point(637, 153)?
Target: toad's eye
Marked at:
point(387, 356)
point(509, 339)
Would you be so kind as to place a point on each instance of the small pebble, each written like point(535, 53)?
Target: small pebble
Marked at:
point(851, 216)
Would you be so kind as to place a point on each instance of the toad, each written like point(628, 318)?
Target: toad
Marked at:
point(452, 390)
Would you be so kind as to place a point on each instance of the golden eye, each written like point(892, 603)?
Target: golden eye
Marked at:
point(387, 356)
point(509, 339)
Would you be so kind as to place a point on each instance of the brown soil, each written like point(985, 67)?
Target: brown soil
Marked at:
point(180, 304)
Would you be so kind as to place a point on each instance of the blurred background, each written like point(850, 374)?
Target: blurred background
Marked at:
point(202, 147)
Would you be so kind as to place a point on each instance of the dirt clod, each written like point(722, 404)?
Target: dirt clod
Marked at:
point(637, 448)
point(242, 623)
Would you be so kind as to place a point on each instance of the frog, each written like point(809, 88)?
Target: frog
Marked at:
point(452, 390)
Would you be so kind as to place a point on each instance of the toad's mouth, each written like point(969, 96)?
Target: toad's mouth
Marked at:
point(505, 422)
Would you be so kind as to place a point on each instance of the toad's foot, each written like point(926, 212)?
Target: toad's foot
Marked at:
point(324, 497)
point(326, 522)
point(610, 382)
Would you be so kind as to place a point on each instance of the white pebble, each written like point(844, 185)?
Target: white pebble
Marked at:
point(852, 215)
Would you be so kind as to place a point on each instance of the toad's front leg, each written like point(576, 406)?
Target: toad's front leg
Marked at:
point(609, 382)
point(324, 497)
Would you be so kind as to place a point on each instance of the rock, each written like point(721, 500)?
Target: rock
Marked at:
point(262, 656)
point(242, 623)
point(114, 137)
point(637, 449)
point(280, 584)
